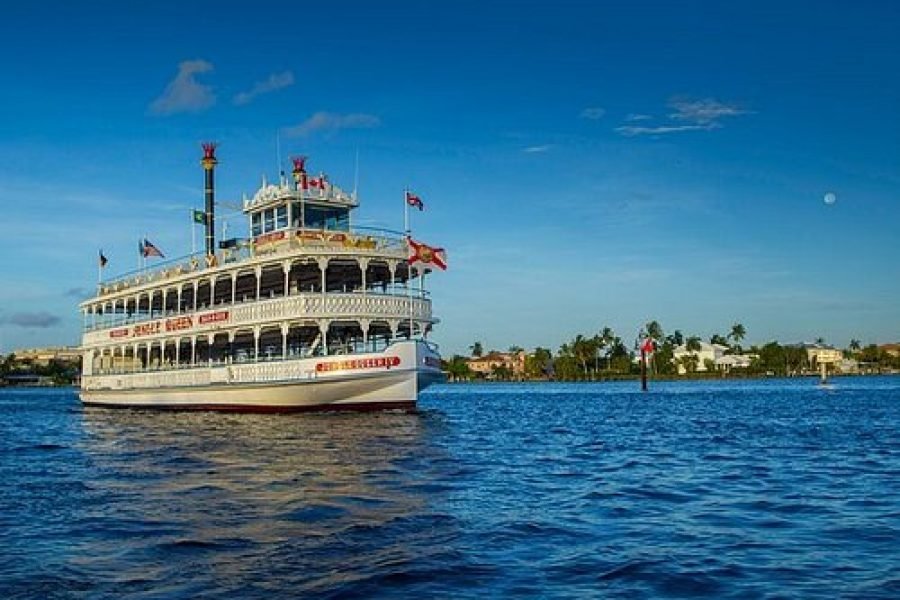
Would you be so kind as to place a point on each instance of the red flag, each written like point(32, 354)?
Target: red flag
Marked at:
point(648, 346)
point(426, 256)
point(414, 200)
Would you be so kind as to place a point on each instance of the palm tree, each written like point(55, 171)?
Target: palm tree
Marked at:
point(692, 344)
point(476, 349)
point(676, 339)
point(855, 345)
point(655, 330)
point(737, 332)
point(718, 339)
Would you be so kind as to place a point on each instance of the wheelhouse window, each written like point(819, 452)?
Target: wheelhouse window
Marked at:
point(256, 224)
point(281, 217)
point(269, 220)
point(334, 219)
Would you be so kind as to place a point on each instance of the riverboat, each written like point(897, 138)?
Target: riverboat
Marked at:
point(306, 312)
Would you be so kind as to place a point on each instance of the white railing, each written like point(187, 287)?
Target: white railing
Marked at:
point(292, 242)
point(298, 307)
point(203, 376)
point(124, 381)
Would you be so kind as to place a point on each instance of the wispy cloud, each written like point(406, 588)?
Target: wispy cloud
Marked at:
point(688, 114)
point(185, 93)
point(31, 320)
point(632, 130)
point(537, 149)
point(77, 292)
point(702, 111)
point(593, 113)
point(275, 82)
point(332, 122)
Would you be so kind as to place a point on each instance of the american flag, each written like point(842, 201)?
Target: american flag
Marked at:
point(150, 250)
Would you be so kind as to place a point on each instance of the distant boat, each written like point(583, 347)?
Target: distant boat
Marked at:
point(306, 313)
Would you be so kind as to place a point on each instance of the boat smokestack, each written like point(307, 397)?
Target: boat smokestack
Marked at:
point(209, 163)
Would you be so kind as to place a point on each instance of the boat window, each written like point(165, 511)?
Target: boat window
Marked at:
point(295, 213)
point(269, 220)
point(256, 228)
point(281, 217)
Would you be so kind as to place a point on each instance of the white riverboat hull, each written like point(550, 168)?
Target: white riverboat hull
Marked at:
point(390, 379)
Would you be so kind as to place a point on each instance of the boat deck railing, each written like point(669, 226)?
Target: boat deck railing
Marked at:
point(274, 243)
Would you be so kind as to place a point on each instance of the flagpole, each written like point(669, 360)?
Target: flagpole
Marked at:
point(100, 268)
point(406, 211)
point(409, 299)
point(193, 234)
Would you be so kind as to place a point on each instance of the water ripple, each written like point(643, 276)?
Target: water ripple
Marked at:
point(761, 489)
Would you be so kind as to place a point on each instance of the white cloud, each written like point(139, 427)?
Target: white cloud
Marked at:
point(632, 130)
point(703, 114)
point(702, 111)
point(185, 93)
point(537, 149)
point(332, 122)
point(593, 113)
point(275, 82)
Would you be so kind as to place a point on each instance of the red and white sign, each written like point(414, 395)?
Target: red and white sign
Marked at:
point(213, 317)
point(179, 323)
point(380, 362)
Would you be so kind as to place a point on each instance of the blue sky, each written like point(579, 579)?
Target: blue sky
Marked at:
point(584, 163)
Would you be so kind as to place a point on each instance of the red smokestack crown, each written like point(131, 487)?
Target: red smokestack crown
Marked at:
point(209, 155)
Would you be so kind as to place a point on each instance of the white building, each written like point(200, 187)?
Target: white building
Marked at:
point(707, 352)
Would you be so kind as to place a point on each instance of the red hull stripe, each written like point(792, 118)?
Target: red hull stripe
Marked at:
point(250, 408)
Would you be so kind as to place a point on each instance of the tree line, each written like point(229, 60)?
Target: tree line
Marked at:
point(59, 371)
point(607, 356)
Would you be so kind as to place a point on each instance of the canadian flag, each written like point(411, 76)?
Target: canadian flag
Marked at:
point(648, 346)
point(424, 256)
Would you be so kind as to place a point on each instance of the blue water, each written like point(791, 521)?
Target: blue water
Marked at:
point(771, 489)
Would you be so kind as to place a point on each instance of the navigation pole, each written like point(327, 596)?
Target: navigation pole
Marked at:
point(209, 163)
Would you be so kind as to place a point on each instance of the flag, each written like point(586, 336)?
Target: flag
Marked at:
point(103, 260)
point(423, 255)
point(414, 200)
point(648, 345)
point(150, 250)
point(199, 217)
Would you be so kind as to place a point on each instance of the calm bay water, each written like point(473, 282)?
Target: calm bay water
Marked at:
point(724, 489)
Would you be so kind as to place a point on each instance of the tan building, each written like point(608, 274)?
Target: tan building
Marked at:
point(44, 356)
point(486, 365)
point(890, 349)
point(817, 354)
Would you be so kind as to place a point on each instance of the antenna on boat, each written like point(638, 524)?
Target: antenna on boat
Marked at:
point(356, 176)
point(278, 168)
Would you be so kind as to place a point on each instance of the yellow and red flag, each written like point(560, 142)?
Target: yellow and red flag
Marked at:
point(423, 255)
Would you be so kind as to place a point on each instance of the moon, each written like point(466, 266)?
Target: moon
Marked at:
point(830, 198)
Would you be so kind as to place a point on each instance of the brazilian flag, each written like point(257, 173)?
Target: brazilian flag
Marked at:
point(199, 217)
